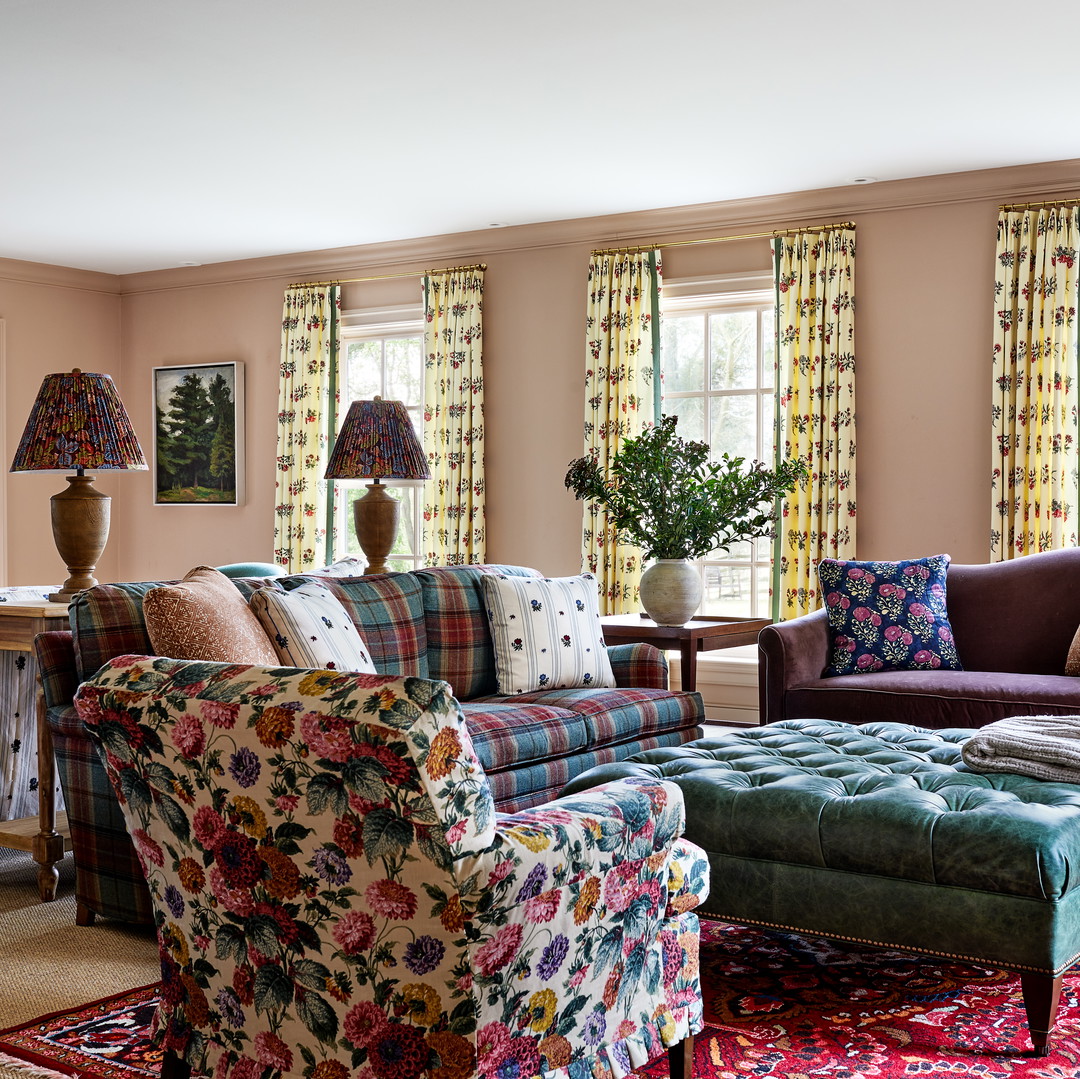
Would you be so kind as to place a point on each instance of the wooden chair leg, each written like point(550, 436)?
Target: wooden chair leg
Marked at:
point(83, 915)
point(1042, 993)
point(681, 1059)
point(174, 1067)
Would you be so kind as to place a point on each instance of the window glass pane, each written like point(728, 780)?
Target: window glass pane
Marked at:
point(682, 345)
point(733, 350)
point(768, 347)
point(767, 452)
point(363, 360)
point(404, 370)
point(734, 426)
point(762, 599)
point(691, 413)
point(727, 590)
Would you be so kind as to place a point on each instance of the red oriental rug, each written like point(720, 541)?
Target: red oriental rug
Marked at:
point(776, 1004)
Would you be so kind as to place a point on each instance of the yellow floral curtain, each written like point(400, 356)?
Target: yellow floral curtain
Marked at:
point(454, 512)
point(309, 350)
point(1034, 419)
point(622, 388)
point(815, 325)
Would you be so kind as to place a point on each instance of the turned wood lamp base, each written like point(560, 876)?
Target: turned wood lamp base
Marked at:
point(376, 519)
point(80, 524)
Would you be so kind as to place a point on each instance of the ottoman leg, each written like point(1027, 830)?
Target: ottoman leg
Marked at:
point(1042, 992)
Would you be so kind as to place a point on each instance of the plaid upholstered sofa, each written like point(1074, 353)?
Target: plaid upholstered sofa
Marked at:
point(430, 623)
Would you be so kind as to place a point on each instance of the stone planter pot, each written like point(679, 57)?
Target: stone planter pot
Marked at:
point(670, 591)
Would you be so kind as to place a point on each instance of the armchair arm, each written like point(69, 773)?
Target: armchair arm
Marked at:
point(790, 654)
point(638, 666)
point(54, 651)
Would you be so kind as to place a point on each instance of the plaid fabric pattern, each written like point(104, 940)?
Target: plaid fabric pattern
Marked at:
point(458, 637)
point(508, 735)
point(388, 610)
point(520, 788)
point(642, 666)
point(108, 878)
point(107, 621)
point(55, 655)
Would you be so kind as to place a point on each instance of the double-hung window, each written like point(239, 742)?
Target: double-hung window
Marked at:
point(382, 353)
point(718, 358)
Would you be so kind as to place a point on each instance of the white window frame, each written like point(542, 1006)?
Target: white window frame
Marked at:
point(733, 292)
point(384, 323)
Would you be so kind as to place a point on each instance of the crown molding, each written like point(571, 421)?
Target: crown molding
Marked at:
point(1015, 183)
point(43, 273)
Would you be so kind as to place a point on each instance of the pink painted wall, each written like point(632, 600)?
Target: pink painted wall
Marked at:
point(924, 293)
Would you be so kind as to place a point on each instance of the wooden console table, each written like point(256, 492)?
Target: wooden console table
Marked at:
point(46, 838)
point(702, 633)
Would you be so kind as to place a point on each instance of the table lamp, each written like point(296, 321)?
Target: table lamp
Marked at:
point(377, 441)
point(78, 421)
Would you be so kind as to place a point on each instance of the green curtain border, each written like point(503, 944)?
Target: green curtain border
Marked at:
point(331, 419)
point(778, 538)
point(654, 287)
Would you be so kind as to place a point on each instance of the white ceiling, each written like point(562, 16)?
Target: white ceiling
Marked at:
point(138, 135)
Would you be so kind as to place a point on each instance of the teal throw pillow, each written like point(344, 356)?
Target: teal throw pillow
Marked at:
point(887, 616)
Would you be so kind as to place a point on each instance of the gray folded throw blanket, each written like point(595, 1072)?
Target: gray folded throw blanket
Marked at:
point(1046, 747)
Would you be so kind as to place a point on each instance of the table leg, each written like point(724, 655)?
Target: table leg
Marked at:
point(48, 848)
point(688, 664)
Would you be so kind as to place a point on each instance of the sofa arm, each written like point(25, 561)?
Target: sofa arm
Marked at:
point(638, 666)
point(55, 655)
point(789, 654)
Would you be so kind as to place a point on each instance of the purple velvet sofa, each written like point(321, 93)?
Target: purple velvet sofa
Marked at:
point(1013, 623)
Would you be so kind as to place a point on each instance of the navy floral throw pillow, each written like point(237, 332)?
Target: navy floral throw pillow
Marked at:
point(887, 616)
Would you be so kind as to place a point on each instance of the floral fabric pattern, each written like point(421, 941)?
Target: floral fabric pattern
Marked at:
point(888, 616)
point(455, 528)
point(309, 349)
point(815, 325)
point(1034, 415)
point(622, 351)
point(335, 895)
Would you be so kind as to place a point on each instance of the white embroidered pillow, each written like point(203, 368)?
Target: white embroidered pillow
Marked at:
point(309, 627)
point(546, 632)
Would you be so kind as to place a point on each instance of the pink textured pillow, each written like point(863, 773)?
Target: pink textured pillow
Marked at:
point(204, 616)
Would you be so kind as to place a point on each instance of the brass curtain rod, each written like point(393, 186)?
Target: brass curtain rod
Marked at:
point(386, 276)
point(725, 239)
point(1038, 205)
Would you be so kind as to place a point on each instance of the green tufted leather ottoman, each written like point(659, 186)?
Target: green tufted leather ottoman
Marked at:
point(879, 834)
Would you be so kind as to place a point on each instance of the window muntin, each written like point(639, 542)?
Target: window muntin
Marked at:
point(718, 357)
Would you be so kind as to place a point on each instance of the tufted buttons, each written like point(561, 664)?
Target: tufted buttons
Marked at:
point(888, 799)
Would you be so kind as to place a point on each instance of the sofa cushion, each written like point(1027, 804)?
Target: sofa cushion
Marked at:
point(458, 638)
point(934, 699)
point(887, 615)
point(309, 627)
point(107, 621)
point(387, 610)
point(205, 617)
point(546, 632)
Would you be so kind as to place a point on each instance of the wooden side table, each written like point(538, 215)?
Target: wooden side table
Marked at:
point(46, 837)
point(702, 633)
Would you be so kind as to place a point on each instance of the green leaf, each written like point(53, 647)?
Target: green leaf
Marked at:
point(310, 974)
point(366, 777)
point(432, 842)
point(318, 1017)
point(386, 835)
point(230, 943)
point(174, 816)
point(262, 931)
point(326, 792)
point(273, 988)
point(136, 790)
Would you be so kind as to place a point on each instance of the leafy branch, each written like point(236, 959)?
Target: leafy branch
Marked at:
point(664, 495)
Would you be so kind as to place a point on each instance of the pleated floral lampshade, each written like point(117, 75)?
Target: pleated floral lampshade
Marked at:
point(377, 442)
point(78, 422)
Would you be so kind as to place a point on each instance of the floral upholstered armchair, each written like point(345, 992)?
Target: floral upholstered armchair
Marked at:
point(334, 893)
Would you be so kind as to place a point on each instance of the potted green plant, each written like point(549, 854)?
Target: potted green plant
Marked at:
point(664, 495)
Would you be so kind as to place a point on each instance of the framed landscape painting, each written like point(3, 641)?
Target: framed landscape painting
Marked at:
point(199, 435)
